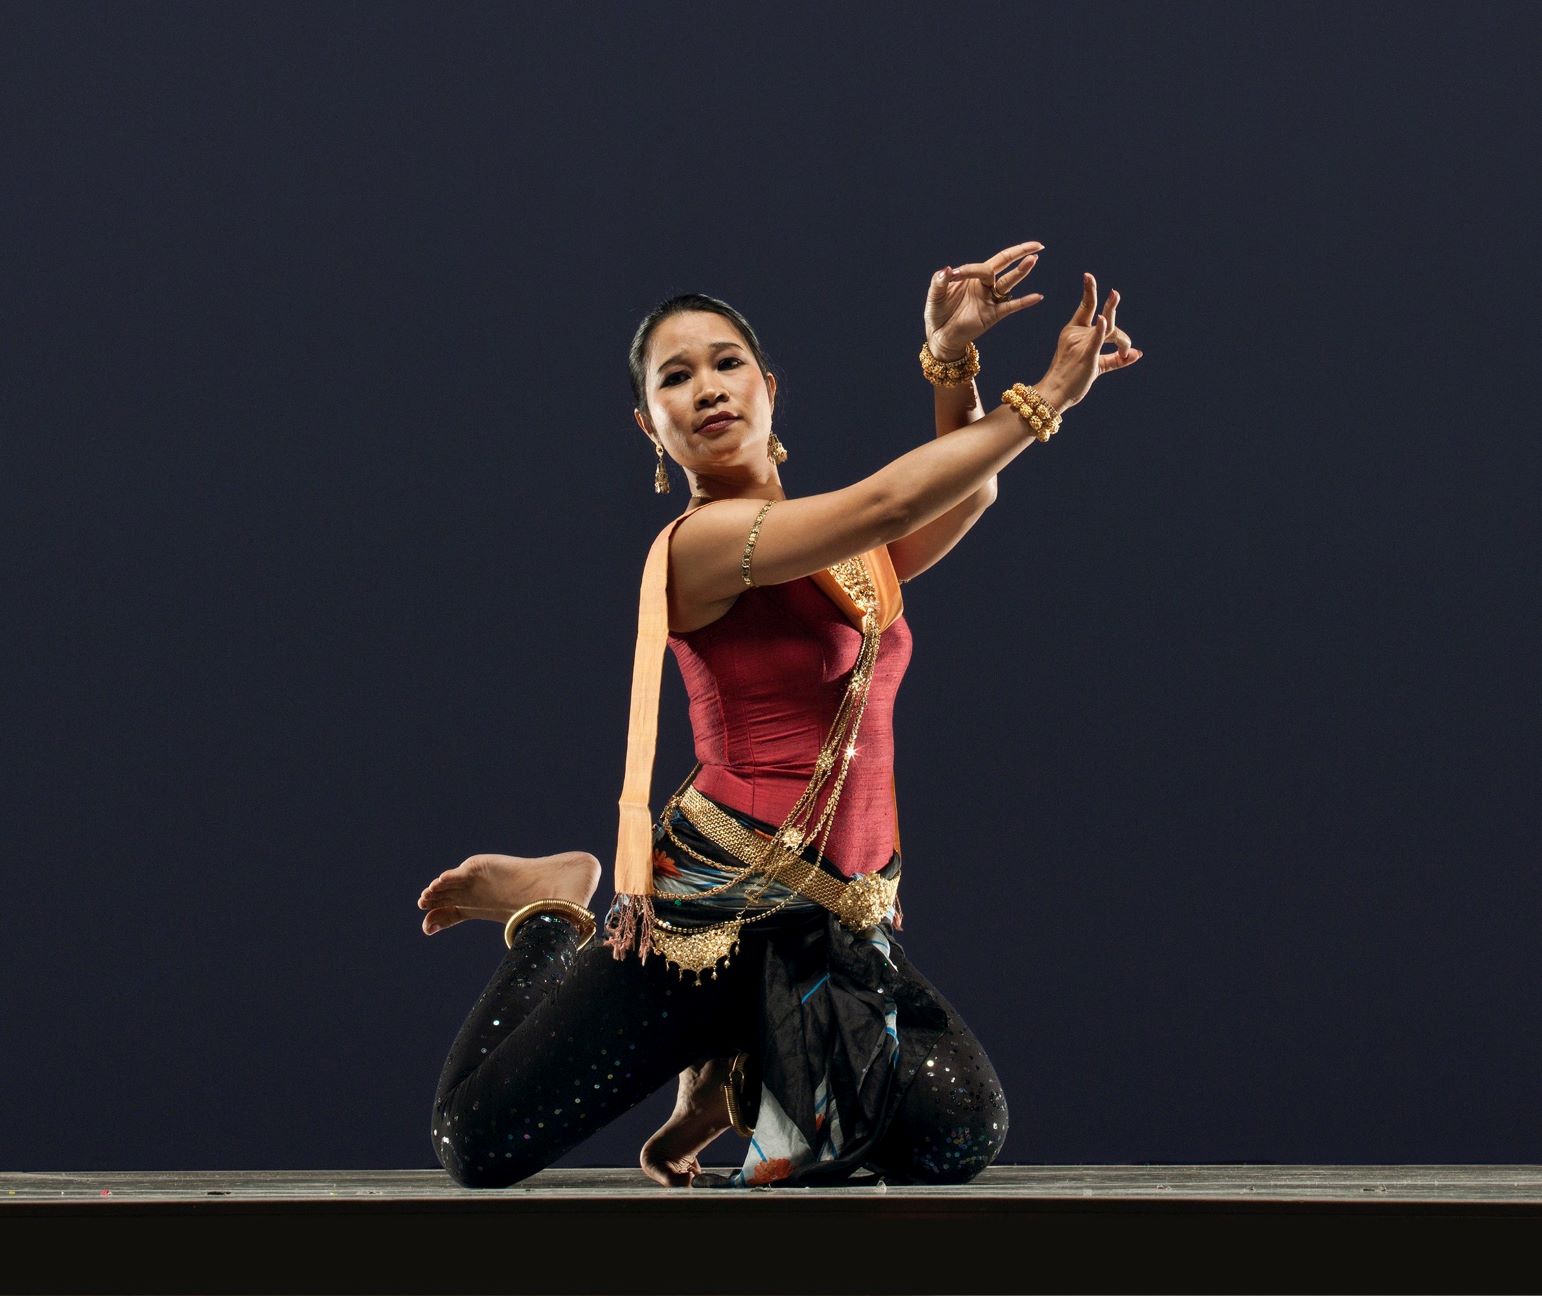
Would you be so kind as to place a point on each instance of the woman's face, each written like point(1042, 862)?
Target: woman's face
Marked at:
point(698, 369)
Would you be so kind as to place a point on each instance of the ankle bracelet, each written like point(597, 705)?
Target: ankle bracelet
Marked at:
point(580, 917)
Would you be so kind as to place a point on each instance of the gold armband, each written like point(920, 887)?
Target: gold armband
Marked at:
point(749, 545)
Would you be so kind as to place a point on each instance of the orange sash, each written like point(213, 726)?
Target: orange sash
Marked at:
point(634, 839)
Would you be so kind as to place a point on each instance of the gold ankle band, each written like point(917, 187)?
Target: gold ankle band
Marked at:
point(733, 1094)
point(567, 908)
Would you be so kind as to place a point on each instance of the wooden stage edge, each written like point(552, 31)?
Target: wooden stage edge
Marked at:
point(1015, 1228)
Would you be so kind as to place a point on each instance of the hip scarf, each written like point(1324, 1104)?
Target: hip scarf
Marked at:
point(832, 1005)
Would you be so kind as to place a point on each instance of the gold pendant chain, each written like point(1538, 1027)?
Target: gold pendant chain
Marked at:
point(853, 577)
point(844, 730)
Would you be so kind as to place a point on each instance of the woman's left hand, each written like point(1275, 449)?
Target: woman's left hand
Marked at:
point(961, 303)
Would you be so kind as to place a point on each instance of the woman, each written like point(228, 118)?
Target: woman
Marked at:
point(772, 873)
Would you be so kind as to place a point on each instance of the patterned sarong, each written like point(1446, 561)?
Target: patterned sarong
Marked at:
point(833, 1007)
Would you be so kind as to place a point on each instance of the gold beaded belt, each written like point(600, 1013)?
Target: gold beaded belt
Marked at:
point(859, 903)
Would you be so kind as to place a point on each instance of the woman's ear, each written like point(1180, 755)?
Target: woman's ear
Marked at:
point(771, 389)
point(642, 422)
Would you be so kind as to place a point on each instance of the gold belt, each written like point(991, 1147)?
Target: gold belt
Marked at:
point(859, 903)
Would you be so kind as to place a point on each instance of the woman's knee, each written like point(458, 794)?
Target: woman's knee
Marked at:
point(474, 1156)
point(476, 1171)
point(952, 1123)
point(474, 1162)
point(966, 1150)
point(949, 1152)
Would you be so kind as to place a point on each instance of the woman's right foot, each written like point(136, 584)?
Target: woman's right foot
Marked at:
point(494, 886)
point(669, 1157)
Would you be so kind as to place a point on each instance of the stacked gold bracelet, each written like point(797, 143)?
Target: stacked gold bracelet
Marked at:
point(1039, 414)
point(950, 373)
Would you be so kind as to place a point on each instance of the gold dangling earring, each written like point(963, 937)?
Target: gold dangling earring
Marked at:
point(660, 477)
point(776, 452)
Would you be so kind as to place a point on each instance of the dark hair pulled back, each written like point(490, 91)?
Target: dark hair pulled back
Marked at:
point(637, 356)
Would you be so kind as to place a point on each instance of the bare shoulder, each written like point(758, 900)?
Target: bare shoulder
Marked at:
point(700, 539)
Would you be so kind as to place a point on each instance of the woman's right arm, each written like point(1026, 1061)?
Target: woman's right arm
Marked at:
point(801, 536)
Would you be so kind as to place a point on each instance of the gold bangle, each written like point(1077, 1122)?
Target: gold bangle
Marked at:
point(581, 917)
point(749, 545)
point(733, 1096)
point(1033, 409)
point(950, 373)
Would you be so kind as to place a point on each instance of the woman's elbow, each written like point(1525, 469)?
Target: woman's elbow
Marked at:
point(890, 517)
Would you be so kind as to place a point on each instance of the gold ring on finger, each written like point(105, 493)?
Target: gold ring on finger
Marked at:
point(997, 294)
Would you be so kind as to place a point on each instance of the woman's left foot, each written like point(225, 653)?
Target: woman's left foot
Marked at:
point(700, 1115)
point(494, 886)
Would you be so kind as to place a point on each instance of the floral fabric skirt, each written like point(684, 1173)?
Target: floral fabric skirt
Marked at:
point(842, 1026)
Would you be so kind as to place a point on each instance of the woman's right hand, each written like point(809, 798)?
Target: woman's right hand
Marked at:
point(962, 303)
point(1079, 358)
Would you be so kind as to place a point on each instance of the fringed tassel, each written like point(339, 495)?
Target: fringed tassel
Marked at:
point(644, 927)
point(629, 927)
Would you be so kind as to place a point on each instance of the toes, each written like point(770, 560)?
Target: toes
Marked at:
point(664, 1174)
point(677, 1178)
point(438, 919)
point(444, 884)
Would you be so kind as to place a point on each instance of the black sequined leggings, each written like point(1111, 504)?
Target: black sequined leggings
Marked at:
point(563, 1041)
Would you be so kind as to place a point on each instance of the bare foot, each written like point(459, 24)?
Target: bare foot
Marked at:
point(494, 886)
point(700, 1115)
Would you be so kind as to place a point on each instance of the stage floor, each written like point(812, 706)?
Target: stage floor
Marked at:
point(1029, 1184)
point(1016, 1228)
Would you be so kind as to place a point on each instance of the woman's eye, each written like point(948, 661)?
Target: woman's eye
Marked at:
point(669, 378)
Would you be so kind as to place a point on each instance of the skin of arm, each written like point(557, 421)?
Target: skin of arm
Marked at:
point(969, 314)
point(906, 495)
point(955, 407)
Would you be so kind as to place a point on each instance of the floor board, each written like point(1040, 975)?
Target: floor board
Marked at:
point(1016, 1228)
point(1028, 1183)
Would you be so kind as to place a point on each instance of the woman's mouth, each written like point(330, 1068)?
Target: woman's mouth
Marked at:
point(718, 423)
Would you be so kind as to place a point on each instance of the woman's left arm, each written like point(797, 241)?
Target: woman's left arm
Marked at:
point(961, 304)
point(956, 407)
point(959, 307)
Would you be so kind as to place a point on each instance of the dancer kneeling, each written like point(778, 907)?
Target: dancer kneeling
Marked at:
point(750, 947)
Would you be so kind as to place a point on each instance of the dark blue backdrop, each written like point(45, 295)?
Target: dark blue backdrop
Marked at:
point(325, 514)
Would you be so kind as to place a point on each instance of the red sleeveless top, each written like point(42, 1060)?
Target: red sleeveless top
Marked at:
point(765, 681)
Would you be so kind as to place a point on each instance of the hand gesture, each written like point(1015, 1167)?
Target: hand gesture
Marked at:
point(962, 302)
point(1079, 358)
